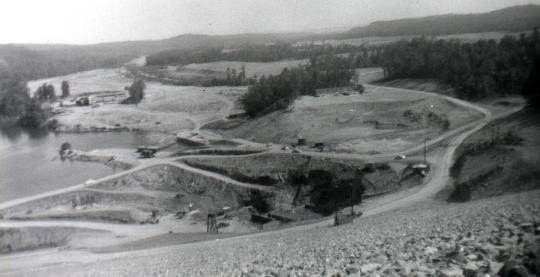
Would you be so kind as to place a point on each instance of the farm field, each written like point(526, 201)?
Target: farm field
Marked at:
point(429, 85)
point(252, 69)
point(204, 73)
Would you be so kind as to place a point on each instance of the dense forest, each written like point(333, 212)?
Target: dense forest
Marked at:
point(277, 92)
point(476, 70)
point(16, 104)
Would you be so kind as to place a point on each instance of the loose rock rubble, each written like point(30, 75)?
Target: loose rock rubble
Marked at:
point(493, 237)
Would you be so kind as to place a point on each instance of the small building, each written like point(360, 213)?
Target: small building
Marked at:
point(301, 141)
point(82, 101)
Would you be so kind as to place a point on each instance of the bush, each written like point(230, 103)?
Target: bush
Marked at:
point(136, 92)
point(34, 116)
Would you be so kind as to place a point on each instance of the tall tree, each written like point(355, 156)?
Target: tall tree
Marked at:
point(45, 92)
point(34, 116)
point(531, 88)
point(136, 92)
point(65, 89)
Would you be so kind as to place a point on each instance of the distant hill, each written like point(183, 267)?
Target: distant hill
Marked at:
point(34, 61)
point(44, 60)
point(518, 18)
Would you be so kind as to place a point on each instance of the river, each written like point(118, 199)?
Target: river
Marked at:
point(29, 162)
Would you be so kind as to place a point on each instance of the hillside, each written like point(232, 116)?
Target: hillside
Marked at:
point(518, 18)
point(429, 239)
point(35, 61)
point(499, 159)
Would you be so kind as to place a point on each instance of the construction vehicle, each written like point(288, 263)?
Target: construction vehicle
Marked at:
point(146, 152)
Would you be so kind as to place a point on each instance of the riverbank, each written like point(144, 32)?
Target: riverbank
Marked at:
point(123, 162)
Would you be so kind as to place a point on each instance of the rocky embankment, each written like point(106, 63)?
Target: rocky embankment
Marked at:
point(496, 236)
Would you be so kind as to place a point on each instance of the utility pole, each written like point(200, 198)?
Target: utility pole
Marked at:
point(425, 151)
point(352, 200)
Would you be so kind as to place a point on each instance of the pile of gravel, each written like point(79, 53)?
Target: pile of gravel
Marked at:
point(483, 238)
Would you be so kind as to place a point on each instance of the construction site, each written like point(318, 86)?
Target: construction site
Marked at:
point(217, 175)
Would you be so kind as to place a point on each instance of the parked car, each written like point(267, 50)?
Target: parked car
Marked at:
point(296, 151)
point(400, 157)
point(285, 147)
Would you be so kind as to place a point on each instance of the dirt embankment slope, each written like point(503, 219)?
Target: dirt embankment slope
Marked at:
point(427, 239)
point(501, 158)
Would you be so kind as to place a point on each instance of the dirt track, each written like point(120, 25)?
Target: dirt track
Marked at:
point(438, 178)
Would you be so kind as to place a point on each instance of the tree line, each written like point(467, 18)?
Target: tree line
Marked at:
point(475, 70)
point(272, 93)
point(16, 103)
point(249, 53)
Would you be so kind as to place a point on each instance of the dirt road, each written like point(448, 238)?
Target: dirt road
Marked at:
point(436, 180)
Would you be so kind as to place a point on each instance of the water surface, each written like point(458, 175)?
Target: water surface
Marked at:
point(30, 164)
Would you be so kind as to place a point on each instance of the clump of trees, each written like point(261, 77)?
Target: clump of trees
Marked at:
point(14, 97)
point(136, 92)
point(65, 89)
point(272, 93)
point(253, 53)
point(45, 92)
point(15, 103)
point(34, 116)
point(476, 70)
point(531, 88)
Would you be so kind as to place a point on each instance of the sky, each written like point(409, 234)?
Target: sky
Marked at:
point(94, 21)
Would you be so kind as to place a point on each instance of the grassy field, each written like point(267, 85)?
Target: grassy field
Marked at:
point(252, 69)
point(87, 81)
point(429, 85)
point(204, 73)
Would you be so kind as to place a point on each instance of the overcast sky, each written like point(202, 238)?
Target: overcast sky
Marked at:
point(93, 21)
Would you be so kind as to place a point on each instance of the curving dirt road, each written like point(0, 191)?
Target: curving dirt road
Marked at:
point(435, 181)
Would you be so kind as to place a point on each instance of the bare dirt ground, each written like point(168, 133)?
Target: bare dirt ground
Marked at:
point(499, 159)
point(130, 195)
point(374, 122)
point(165, 108)
point(87, 81)
point(425, 239)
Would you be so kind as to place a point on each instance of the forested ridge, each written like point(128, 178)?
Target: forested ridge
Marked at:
point(486, 68)
point(476, 70)
point(513, 19)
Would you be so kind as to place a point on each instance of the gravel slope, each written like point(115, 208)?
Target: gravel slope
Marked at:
point(428, 239)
